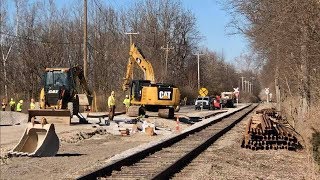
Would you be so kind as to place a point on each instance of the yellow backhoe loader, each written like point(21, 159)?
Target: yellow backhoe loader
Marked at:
point(59, 101)
point(59, 97)
point(145, 94)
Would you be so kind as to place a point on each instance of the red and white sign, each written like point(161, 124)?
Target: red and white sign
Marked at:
point(266, 90)
point(236, 91)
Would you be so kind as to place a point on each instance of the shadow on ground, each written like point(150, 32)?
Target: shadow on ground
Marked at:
point(68, 154)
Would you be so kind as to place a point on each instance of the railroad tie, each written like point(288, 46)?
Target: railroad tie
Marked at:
point(265, 132)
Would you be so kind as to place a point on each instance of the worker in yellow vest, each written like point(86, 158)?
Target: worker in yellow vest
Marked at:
point(32, 104)
point(12, 104)
point(3, 104)
point(126, 102)
point(19, 106)
point(111, 105)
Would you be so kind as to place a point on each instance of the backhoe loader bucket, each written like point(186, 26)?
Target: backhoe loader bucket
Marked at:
point(56, 116)
point(37, 140)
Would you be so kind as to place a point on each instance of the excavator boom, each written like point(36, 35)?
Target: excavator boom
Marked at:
point(137, 57)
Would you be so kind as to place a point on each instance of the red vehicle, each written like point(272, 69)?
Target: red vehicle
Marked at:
point(216, 102)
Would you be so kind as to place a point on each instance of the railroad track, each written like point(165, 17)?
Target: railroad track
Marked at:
point(163, 160)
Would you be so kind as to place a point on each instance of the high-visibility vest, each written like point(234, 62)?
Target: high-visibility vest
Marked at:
point(126, 102)
point(12, 103)
point(19, 107)
point(32, 105)
point(111, 101)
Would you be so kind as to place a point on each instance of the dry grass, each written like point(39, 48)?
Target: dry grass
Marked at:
point(315, 136)
point(309, 130)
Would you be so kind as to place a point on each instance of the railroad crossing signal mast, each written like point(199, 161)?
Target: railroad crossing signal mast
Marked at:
point(236, 92)
point(267, 93)
point(203, 92)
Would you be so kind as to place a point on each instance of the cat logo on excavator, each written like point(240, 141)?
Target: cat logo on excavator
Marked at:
point(165, 95)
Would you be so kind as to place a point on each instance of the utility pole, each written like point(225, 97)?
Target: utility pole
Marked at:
point(167, 49)
point(198, 55)
point(245, 85)
point(130, 36)
point(85, 36)
point(242, 83)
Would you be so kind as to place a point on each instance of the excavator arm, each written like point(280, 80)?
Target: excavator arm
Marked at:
point(78, 72)
point(137, 57)
point(84, 99)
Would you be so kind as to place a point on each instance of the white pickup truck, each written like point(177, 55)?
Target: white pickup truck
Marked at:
point(204, 103)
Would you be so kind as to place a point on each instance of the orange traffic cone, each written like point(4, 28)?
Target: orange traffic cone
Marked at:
point(178, 125)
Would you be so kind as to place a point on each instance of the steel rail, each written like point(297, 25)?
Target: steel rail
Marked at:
point(186, 159)
point(167, 172)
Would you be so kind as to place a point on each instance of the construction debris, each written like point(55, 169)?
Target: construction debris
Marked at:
point(124, 131)
point(265, 131)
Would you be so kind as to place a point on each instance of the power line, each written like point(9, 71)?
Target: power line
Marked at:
point(130, 35)
point(35, 40)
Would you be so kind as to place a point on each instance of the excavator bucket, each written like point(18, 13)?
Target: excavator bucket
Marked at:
point(56, 116)
point(37, 140)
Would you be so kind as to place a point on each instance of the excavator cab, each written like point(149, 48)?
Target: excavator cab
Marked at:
point(136, 88)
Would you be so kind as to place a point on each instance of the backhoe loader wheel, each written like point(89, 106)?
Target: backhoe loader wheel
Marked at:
point(76, 106)
point(70, 107)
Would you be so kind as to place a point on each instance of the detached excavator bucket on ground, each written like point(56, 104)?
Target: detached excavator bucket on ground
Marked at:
point(37, 140)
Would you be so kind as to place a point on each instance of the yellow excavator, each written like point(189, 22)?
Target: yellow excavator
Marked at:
point(59, 101)
point(146, 94)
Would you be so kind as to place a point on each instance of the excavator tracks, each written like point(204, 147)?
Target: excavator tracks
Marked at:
point(164, 160)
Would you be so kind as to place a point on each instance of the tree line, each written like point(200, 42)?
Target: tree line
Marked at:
point(285, 38)
point(37, 34)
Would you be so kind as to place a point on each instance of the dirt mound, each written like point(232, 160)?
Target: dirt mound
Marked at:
point(74, 137)
point(10, 118)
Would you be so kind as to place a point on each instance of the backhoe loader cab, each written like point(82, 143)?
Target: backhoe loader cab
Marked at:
point(58, 84)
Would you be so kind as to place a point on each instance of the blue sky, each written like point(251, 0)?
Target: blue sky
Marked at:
point(212, 23)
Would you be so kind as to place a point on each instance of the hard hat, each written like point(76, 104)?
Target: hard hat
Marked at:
point(127, 96)
point(21, 101)
point(11, 99)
